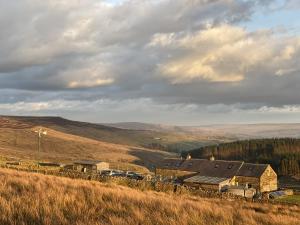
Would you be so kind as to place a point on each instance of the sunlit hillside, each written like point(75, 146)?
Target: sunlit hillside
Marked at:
point(18, 140)
point(38, 199)
point(164, 140)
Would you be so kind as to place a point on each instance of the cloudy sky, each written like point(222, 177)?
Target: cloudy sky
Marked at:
point(180, 62)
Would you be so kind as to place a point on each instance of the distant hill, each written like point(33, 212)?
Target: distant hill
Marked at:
point(68, 140)
point(146, 126)
point(142, 144)
point(225, 131)
point(282, 153)
point(154, 139)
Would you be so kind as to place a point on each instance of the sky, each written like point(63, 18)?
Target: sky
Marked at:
point(181, 62)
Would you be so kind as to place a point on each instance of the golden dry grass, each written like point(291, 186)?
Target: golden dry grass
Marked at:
point(38, 199)
point(105, 133)
point(70, 140)
point(63, 147)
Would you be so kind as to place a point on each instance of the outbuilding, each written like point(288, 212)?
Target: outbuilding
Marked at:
point(205, 182)
point(90, 166)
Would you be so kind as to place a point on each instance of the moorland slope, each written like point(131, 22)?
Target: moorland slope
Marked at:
point(39, 199)
point(66, 142)
point(163, 140)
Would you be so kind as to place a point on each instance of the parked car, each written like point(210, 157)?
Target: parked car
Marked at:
point(113, 173)
point(134, 175)
point(118, 173)
point(106, 172)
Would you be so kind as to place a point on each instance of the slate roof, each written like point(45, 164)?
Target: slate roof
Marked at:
point(87, 162)
point(215, 168)
point(171, 164)
point(252, 170)
point(206, 180)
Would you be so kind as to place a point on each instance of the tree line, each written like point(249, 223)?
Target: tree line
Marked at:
point(282, 153)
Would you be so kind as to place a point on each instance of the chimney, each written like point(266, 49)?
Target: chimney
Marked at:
point(212, 158)
point(188, 157)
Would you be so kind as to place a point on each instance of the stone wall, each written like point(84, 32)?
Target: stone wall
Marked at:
point(215, 187)
point(251, 181)
point(102, 166)
point(173, 173)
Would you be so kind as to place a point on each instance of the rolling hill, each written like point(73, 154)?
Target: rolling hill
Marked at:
point(69, 140)
point(223, 131)
point(163, 140)
point(138, 143)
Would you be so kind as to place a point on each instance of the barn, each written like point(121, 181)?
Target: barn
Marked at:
point(259, 176)
point(214, 174)
point(90, 166)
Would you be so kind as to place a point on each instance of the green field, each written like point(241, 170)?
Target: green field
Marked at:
point(290, 199)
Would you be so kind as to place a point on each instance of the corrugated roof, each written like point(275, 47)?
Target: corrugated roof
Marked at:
point(215, 168)
point(87, 162)
point(206, 180)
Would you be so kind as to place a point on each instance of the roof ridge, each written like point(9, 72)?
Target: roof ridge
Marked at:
point(258, 164)
point(195, 159)
point(239, 168)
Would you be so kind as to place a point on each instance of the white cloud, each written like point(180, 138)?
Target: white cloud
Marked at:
point(283, 109)
point(226, 54)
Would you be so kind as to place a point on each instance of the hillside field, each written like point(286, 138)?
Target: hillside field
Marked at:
point(27, 198)
point(163, 140)
point(18, 140)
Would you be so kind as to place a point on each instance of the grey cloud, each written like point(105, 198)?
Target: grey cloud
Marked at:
point(44, 33)
point(86, 50)
point(292, 4)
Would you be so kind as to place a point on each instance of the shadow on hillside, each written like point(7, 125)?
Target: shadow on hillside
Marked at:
point(149, 159)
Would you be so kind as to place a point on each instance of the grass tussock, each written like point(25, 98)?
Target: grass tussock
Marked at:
point(27, 198)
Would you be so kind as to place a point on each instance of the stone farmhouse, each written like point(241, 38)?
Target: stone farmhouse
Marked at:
point(216, 174)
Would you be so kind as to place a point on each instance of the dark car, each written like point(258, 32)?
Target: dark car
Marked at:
point(134, 175)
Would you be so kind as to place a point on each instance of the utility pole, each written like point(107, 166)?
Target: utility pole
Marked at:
point(40, 133)
point(16, 137)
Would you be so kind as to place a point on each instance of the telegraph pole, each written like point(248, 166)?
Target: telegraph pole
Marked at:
point(40, 133)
